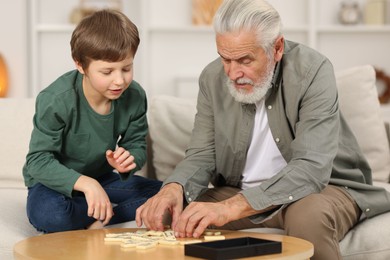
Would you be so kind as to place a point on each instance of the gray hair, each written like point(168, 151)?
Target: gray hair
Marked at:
point(258, 15)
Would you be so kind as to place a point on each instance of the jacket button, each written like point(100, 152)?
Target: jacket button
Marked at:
point(290, 198)
point(277, 140)
point(269, 107)
point(367, 210)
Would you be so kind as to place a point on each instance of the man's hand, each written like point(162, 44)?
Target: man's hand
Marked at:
point(199, 215)
point(121, 160)
point(168, 200)
point(99, 205)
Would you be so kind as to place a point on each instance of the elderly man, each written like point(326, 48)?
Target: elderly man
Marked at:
point(269, 136)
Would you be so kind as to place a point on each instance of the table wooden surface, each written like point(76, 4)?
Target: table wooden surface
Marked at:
point(90, 244)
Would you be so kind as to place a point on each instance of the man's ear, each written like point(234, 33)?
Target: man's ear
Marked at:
point(79, 67)
point(279, 48)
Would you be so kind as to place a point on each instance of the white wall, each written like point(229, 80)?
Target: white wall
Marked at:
point(171, 52)
point(13, 44)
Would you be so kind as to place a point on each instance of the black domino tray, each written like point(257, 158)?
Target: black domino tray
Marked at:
point(233, 248)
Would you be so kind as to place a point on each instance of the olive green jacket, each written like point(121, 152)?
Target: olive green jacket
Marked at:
point(308, 128)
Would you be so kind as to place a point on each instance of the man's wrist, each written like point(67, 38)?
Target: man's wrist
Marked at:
point(174, 186)
point(239, 206)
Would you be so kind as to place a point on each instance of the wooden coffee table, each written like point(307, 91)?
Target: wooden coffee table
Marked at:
point(90, 244)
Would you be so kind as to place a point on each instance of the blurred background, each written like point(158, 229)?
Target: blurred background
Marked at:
point(177, 40)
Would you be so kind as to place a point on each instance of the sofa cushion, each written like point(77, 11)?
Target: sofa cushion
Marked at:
point(170, 126)
point(15, 136)
point(360, 106)
point(368, 240)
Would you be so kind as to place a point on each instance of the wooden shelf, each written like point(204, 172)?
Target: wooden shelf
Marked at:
point(55, 28)
point(209, 29)
point(354, 29)
point(167, 36)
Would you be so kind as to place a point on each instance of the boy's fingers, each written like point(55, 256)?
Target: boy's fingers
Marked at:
point(109, 153)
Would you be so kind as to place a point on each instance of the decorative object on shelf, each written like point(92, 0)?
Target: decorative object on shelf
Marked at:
point(203, 11)
point(350, 12)
point(3, 77)
point(87, 7)
point(375, 12)
point(382, 77)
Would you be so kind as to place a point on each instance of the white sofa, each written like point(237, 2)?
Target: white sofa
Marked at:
point(170, 121)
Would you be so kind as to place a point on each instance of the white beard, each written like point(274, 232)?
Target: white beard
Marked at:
point(260, 88)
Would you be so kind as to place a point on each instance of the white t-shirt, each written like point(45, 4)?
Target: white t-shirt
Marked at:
point(264, 159)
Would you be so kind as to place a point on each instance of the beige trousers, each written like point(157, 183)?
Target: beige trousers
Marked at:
point(323, 218)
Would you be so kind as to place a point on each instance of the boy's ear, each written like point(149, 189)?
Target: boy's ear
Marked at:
point(79, 67)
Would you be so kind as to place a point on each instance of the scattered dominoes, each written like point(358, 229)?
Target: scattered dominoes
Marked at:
point(191, 241)
point(145, 239)
point(213, 238)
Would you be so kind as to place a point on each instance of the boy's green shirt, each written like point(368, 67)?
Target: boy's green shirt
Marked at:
point(70, 139)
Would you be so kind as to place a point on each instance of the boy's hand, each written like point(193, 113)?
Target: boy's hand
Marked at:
point(121, 160)
point(99, 205)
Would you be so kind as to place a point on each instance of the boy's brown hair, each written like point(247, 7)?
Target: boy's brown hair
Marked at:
point(106, 35)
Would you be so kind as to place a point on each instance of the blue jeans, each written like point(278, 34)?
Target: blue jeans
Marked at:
point(50, 211)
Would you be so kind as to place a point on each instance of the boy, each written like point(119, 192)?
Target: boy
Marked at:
point(89, 134)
